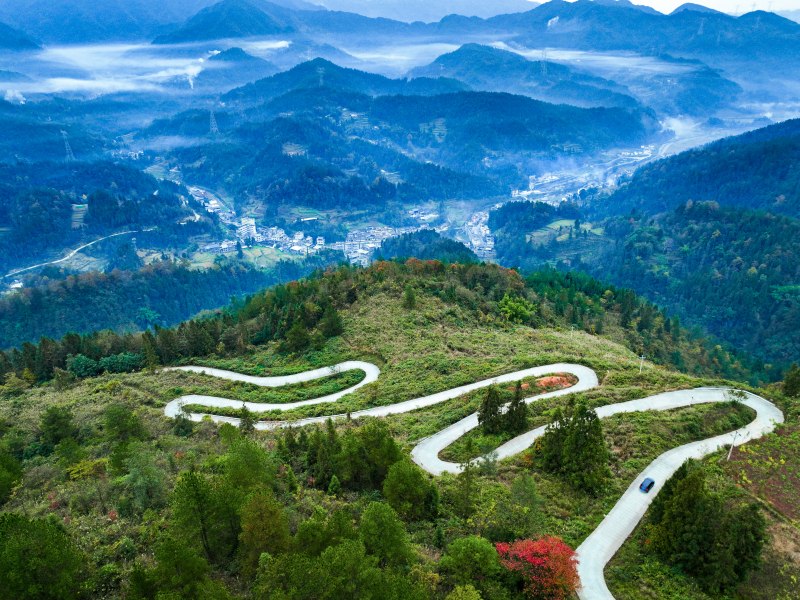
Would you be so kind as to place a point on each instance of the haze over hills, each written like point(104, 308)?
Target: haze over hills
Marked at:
point(710, 233)
point(591, 212)
point(492, 69)
point(13, 39)
point(323, 73)
point(427, 10)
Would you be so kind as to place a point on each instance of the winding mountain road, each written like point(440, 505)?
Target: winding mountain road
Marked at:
point(601, 545)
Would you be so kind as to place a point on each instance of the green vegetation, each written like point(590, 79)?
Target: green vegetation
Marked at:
point(426, 245)
point(161, 294)
point(152, 506)
point(573, 446)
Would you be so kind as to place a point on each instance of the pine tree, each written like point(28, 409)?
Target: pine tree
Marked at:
point(334, 487)
point(150, 351)
point(516, 416)
point(247, 421)
point(791, 384)
point(551, 445)
point(489, 415)
point(331, 324)
point(585, 455)
point(685, 536)
point(297, 338)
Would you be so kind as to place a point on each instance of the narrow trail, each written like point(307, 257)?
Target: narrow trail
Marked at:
point(601, 545)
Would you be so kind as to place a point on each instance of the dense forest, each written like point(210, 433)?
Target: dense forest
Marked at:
point(161, 294)
point(512, 223)
point(425, 245)
point(733, 272)
point(331, 171)
point(729, 272)
point(756, 171)
point(287, 313)
point(38, 200)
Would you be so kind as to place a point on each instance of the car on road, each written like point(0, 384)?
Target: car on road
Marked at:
point(647, 485)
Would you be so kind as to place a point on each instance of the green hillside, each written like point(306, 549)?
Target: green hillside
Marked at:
point(118, 500)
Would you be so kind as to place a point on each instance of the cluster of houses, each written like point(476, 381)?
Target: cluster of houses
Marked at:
point(247, 234)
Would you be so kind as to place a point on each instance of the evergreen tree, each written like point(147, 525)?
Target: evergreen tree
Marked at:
point(247, 421)
point(489, 416)
point(265, 528)
point(150, 351)
point(685, 536)
point(585, 455)
point(791, 383)
point(466, 491)
point(551, 444)
point(657, 508)
point(334, 487)
point(297, 338)
point(38, 559)
point(331, 324)
point(410, 492)
point(516, 416)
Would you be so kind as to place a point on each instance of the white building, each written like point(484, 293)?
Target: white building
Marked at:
point(246, 229)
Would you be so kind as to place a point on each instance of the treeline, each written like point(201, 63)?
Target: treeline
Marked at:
point(426, 245)
point(302, 314)
point(161, 294)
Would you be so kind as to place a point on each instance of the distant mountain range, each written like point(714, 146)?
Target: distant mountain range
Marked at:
point(14, 40)
point(86, 21)
point(491, 69)
point(322, 73)
point(427, 10)
point(233, 68)
point(230, 19)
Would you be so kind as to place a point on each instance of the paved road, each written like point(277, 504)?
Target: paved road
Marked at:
point(71, 253)
point(175, 407)
point(601, 545)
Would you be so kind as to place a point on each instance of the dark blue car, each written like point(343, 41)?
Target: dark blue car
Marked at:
point(647, 485)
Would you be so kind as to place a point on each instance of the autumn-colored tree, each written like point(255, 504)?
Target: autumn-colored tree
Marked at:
point(548, 566)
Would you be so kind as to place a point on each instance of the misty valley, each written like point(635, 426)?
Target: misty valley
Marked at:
point(267, 266)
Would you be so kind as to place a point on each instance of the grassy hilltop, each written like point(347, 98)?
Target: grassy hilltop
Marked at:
point(124, 502)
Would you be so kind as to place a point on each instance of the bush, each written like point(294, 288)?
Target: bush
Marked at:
point(410, 492)
point(125, 362)
point(548, 567)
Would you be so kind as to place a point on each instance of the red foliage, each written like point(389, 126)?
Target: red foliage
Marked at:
point(547, 565)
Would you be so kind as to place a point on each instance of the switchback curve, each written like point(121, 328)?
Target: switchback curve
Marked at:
point(601, 545)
